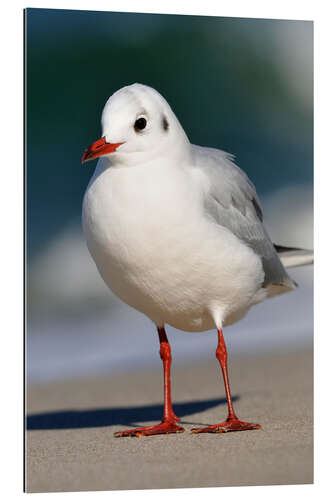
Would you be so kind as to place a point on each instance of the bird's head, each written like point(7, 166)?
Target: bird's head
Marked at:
point(138, 126)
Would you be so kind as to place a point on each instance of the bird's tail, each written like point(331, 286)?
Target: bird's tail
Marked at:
point(294, 257)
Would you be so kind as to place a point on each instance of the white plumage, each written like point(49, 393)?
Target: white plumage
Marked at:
point(176, 231)
point(173, 227)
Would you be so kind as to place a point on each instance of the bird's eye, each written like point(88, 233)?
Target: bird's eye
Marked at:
point(140, 124)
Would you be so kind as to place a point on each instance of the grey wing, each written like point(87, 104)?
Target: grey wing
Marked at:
point(231, 200)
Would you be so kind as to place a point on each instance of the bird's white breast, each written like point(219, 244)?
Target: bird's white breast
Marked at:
point(154, 248)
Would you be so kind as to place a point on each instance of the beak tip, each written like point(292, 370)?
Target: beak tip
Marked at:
point(99, 148)
point(85, 157)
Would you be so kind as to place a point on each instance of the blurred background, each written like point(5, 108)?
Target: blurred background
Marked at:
point(241, 85)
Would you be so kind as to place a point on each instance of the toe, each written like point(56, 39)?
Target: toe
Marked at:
point(162, 428)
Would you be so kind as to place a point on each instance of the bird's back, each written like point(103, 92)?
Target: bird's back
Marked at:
point(231, 201)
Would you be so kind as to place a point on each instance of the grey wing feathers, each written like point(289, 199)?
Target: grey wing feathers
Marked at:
point(232, 202)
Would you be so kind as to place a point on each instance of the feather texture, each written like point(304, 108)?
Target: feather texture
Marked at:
point(232, 201)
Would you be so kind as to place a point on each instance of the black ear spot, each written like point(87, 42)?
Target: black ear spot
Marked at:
point(165, 123)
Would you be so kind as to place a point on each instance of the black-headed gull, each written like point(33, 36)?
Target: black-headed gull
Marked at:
point(176, 232)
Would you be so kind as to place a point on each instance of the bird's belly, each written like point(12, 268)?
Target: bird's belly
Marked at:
point(146, 267)
point(168, 265)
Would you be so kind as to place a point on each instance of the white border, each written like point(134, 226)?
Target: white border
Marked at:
point(11, 233)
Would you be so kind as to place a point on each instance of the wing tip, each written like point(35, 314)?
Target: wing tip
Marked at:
point(294, 257)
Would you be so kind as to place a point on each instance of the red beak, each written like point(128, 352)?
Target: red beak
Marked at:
point(99, 148)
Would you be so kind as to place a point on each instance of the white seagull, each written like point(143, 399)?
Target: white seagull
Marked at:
point(176, 231)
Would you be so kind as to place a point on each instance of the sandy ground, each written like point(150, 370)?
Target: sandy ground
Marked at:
point(70, 444)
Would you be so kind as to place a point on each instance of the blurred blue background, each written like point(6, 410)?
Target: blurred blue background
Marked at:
point(242, 85)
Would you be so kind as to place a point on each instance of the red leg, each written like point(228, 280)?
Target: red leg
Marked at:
point(232, 423)
point(168, 424)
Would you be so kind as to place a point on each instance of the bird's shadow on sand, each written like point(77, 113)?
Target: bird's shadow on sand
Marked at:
point(102, 417)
